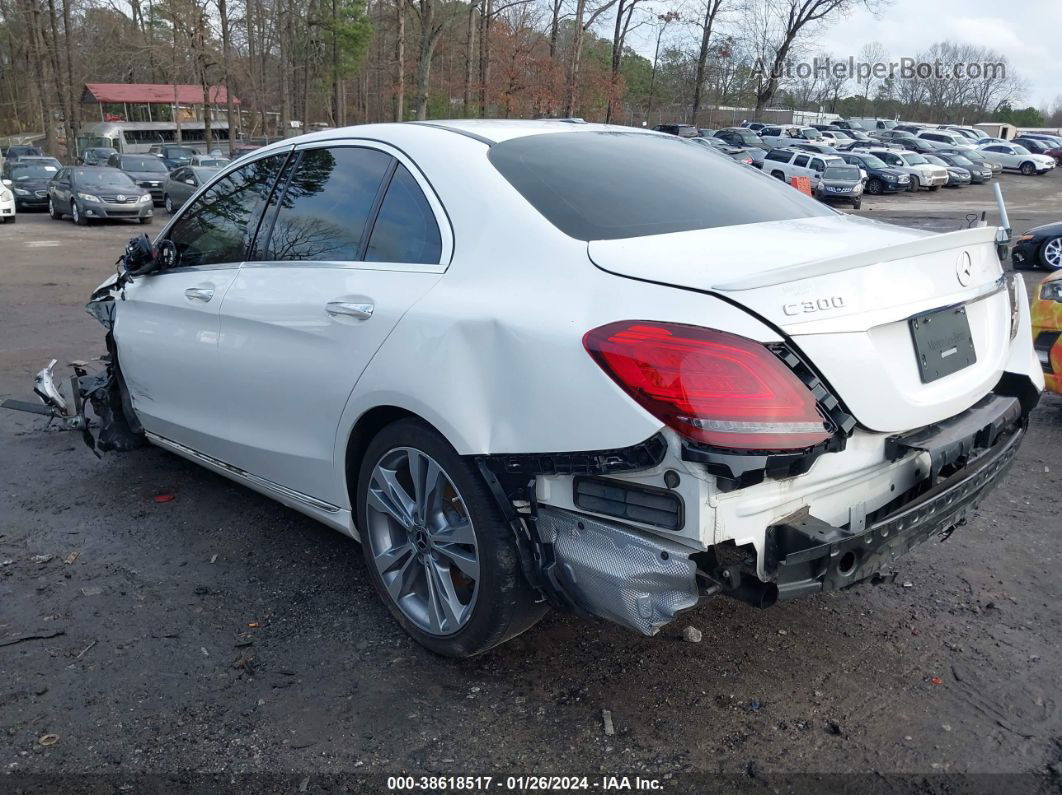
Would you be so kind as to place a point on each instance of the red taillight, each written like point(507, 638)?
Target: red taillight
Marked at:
point(710, 386)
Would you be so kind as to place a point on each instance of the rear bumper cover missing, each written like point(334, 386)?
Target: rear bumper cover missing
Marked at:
point(805, 554)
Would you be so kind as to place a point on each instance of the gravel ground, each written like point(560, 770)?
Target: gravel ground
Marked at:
point(218, 639)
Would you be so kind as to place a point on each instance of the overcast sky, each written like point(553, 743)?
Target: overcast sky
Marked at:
point(1026, 31)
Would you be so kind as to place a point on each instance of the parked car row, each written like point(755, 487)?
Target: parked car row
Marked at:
point(104, 184)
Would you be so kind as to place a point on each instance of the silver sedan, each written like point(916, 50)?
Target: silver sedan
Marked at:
point(182, 183)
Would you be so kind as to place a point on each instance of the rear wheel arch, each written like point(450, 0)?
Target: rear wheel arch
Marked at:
point(361, 435)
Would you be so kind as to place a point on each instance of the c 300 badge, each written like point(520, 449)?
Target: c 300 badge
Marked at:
point(810, 307)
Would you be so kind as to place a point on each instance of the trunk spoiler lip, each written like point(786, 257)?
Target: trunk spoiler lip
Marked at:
point(862, 259)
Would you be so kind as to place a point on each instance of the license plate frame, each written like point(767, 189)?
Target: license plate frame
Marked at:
point(943, 342)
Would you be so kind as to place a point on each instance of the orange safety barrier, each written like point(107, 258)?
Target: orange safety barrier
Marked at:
point(802, 184)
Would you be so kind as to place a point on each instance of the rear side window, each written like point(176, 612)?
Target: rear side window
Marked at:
point(609, 185)
point(800, 161)
point(405, 230)
point(327, 204)
point(781, 157)
point(214, 228)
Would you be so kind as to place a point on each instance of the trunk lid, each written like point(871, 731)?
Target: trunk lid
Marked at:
point(843, 290)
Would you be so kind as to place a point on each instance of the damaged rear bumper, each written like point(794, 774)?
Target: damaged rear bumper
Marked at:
point(642, 580)
point(805, 555)
point(617, 573)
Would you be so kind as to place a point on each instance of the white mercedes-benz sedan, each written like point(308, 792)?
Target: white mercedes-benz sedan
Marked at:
point(533, 364)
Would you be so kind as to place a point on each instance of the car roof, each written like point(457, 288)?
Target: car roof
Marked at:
point(488, 131)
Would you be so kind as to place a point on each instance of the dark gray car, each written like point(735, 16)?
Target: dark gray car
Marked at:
point(843, 183)
point(147, 171)
point(88, 193)
point(182, 183)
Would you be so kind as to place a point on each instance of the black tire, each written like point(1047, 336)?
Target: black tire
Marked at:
point(55, 214)
point(875, 187)
point(1042, 254)
point(914, 184)
point(1027, 168)
point(76, 215)
point(934, 188)
point(778, 175)
point(146, 220)
point(505, 604)
point(857, 204)
point(167, 203)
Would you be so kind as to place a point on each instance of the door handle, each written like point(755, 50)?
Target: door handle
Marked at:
point(203, 294)
point(361, 311)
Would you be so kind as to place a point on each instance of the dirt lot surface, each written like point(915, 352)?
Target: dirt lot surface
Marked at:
point(220, 634)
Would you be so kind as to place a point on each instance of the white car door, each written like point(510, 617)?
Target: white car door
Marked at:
point(1001, 154)
point(353, 240)
point(167, 328)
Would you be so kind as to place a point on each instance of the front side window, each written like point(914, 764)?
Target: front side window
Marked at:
point(817, 165)
point(214, 228)
point(405, 229)
point(326, 206)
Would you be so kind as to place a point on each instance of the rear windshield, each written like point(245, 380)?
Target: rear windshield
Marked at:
point(610, 185)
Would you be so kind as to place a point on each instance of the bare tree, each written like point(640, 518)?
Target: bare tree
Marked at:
point(775, 27)
point(871, 53)
point(584, 19)
point(625, 10)
point(707, 15)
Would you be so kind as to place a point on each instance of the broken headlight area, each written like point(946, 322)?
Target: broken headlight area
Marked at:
point(93, 399)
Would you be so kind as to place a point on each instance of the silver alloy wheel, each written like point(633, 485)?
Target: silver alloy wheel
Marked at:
point(1053, 252)
point(422, 541)
point(75, 215)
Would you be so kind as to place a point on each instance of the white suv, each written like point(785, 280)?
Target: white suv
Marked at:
point(952, 139)
point(786, 135)
point(785, 164)
point(923, 173)
point(1017, 158)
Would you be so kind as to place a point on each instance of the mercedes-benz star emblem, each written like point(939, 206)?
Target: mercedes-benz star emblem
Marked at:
point(964, 269)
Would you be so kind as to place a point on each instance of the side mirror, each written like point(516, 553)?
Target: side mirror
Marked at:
point(190, 182)
point(8, 182)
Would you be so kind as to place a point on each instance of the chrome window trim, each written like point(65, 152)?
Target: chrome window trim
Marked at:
point(442, 219)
